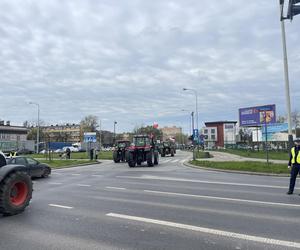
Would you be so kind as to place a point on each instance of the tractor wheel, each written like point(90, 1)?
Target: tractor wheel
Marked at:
point(116, 157)
point(156, 158)
point(131, 160)
point(15, 193)
point(172, 152)
point(46, 173)
point(163, 155)
point(150, 158)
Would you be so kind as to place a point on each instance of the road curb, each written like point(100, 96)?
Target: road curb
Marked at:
point(187, 164)
point(79, 165)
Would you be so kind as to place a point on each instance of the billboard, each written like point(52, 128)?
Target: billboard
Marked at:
point(257, 116)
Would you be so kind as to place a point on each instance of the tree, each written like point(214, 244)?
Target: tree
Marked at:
point(295, 117)
point(148, 130)
point(88, 124)
point(280, 119)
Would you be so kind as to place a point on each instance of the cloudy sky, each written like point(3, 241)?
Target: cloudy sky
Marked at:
point(129, 60)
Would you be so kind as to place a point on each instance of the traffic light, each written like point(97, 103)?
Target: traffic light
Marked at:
point(294, 9)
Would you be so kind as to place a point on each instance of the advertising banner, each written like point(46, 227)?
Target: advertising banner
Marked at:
point(257, 116)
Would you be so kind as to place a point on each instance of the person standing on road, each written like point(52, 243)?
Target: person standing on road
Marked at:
point(295, 164)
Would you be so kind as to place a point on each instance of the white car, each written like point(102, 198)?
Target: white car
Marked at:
point(72, 149)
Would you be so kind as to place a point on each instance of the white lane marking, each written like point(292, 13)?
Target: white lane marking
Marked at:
point(175, 160)
point(60, 206)
point(57, 173)
point(225, 199)
point(76, 174)
point(166, 160)
point(146, 177)
point(217, 232)
point(83, 185)
point(97, 175)
point(55, 183)
point(118, 188)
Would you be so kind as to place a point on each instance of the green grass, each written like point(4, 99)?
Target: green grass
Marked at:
point(105, 155)
point(203, 155)
point(64, 163)
point(280, 155)
point(250, 166)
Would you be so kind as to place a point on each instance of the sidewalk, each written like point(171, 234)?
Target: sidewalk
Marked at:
point(221, 156)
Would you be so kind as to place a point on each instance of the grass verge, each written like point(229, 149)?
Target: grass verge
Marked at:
point(105, 155)
point(203, 155)
point(274, 155)
point(247, 166)
point(65, 163)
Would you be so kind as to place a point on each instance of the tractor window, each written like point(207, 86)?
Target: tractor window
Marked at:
point(141, 141)
point(122, 144)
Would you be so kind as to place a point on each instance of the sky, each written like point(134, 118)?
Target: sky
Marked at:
point(129, 60)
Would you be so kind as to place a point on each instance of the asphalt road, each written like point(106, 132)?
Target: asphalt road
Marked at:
point(170, 206)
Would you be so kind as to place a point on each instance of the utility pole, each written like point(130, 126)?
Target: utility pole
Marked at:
point(293, 10)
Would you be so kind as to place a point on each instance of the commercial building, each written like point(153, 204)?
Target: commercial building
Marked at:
point(220, 133)
point(63, 133)
point(170, 132)
point(14, 137)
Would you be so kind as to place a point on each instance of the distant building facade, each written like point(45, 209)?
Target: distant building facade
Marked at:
point(220, 133)
point(170, 132)
point(63, 133)
point(14, 137)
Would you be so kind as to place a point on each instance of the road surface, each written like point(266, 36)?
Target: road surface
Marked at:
point(170, 206)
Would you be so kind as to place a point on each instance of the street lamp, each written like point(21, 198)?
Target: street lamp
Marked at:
point(192, 134)
point(38, 126)
point(196, 95)
point(191, 122)
point(115, 131)
point(293, 10)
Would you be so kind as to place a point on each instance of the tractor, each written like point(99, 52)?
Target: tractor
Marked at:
point(120, 151)
point(167, 148)
point(15, 187)
point(142, 149)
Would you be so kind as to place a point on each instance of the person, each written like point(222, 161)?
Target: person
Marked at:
point(294, 163)
point(68, 153)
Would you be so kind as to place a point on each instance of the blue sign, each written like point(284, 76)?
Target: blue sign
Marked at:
point(275, 128)
point(90, 137)
point(195, 133)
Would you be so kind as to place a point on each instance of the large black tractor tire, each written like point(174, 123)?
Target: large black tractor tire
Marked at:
point(131, 160)
point(46, 173)
point(150, 158)
point(172, 152)
point(116, 157)
point(15, 193)
point(123, 156)
point(163, 154)
point(156, 158)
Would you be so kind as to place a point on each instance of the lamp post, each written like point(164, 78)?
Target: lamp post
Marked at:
point(190, 120)
point(196, 95)
point(290, 15)
point(115, 131)
point(38, 126)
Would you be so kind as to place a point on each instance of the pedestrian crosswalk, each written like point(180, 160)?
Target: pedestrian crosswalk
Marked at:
point(166, 160)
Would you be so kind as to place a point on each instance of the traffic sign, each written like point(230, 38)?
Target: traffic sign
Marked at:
point(195, 133)
point(90, 137)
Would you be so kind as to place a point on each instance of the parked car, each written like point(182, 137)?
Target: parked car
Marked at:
point(35, 168)
point(73, 149)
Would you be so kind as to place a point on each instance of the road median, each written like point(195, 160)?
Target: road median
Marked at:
point(246, 167)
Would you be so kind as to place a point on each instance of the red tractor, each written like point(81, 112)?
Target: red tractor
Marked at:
point(119, 153)
point(142, 149)
point(15, 187)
